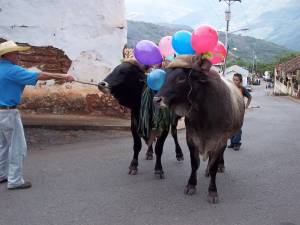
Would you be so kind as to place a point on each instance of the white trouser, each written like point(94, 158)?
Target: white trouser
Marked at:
point(12, 147)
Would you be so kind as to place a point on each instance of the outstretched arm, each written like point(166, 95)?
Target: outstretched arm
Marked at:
point(56, 76)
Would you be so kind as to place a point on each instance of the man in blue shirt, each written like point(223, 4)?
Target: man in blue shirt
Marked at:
point(13, 79)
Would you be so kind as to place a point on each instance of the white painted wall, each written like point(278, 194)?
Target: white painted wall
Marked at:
point(89, 32)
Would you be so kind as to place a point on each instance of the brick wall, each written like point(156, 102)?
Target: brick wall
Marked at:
point(63, 99)
point(48, 59)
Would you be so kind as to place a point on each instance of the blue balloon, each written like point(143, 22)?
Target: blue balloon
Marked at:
point(181, 42)
point(156, 79)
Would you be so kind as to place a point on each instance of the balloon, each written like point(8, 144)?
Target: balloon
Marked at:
point(218, 54)
point(165, 46)
point(204, 39)
point(147, 53)
point(156, 79)
point(181, 42)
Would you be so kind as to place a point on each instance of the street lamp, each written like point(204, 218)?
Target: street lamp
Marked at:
point(234, 31)
point(232, 53)
point(233, 50)
point(242, 29)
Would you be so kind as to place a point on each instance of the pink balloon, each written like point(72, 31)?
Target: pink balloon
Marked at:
point(218, 54)
point(165, 46)
point(204, 39)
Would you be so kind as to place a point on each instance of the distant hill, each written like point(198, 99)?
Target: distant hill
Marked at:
point(246, 46)
point(140, 30)
point(280, 26)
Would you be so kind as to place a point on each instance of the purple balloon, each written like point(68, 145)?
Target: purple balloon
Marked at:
point(147, 53)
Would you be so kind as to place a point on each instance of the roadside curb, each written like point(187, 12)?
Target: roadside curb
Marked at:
point(87, 123)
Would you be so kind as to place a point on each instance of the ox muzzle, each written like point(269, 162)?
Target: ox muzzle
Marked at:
point(159, 101)
point(104, 87)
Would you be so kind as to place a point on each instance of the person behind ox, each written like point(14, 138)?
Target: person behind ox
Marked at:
point(236, 139)
point(13, 79)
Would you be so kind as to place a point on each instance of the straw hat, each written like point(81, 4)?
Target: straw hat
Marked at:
point(10, 46)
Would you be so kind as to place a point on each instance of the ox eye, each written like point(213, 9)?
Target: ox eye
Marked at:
point(180, 79)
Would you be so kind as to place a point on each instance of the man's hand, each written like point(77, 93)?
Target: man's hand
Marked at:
point(69, 78)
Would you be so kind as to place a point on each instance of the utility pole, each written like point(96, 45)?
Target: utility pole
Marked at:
point(227, 19)
point(254, 62)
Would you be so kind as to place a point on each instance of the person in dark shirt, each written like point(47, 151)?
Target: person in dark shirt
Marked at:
point(236, 139)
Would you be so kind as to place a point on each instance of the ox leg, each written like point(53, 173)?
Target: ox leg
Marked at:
point(179, 154)
point(207, 167)
point(212, 196)
point(137, 146)
point(195, 163)
point(221, 164)
point(149, 153)
point(158, 170)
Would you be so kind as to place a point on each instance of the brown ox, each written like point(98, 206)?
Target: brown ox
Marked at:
point(213, 109)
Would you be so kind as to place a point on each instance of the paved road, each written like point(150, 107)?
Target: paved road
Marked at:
point(87, 183)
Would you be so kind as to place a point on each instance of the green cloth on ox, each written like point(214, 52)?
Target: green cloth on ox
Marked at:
point(152, 117)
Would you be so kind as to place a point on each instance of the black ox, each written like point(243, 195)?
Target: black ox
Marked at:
point(127, 83)
point(213, 109)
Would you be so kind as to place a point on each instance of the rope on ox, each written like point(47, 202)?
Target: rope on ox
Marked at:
point(88, 83)
point(191, 62)
point(152, 118)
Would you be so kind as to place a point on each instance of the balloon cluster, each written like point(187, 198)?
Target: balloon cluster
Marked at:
point(203, 40)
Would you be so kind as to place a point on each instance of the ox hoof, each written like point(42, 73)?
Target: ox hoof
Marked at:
point(221, 169)
point(212, 197)
point(133, 171)
point(160, 174)
point(180, 158)
point(149, 156)
point(190, 189)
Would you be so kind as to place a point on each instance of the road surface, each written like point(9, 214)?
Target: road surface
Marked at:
point(86, 183)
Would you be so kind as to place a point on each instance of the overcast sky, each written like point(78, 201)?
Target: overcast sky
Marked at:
point(208, 11)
